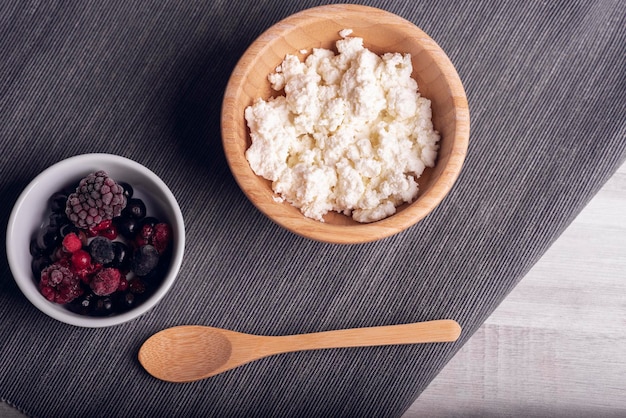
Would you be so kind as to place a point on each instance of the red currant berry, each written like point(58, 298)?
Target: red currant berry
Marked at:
point(103, 225)
point(123, 286)
point(110, 232)
point(81, 260)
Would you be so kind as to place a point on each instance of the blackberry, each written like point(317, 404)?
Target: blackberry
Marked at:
point(58, 284)
point(101, 250)
point(97, 198)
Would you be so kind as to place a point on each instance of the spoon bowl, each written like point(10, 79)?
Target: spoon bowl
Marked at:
point(192, 352)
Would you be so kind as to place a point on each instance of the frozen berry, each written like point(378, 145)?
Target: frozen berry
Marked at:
point(105, 281)
point(127, 300)
point(48, 239)
point(34, 248)
point(137, 286)
point(82, 304)
point(100, 228)
point(105, 224)
point(59, 254)
point(71, 243)
point(121, 257)
point(97, 198)
point(85, 274)
point(81, 260)
point(102, 306)
point(128, 189)
point(83, 237)
point(58, 220)
point(68, 228)
point(127, 227)
point(57, 202)
point(135, 209)
point(149, 220)
point(144, 234)
point(58, 284)
point(110, 232)
point(101, 250)
point(123, 286)
point(39, 263)
point(161, 237)
point(145, 258)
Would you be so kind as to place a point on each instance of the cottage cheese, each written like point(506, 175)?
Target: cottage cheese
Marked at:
point(351, 134)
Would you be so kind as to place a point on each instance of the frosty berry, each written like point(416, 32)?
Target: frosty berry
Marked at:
point(100, 252)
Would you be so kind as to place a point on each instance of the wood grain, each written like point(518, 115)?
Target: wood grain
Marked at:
point(193, 352)
point(556, 346)
point(382, 32)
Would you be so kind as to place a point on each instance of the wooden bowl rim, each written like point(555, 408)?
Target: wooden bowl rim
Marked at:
point(322, 231)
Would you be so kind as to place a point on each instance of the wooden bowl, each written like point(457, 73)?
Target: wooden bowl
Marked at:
point(381, 32)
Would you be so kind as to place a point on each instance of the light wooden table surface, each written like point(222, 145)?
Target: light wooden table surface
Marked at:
point(556, 346)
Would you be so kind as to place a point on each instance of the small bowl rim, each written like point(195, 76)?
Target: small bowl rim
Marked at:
point(27, 284)
point(326, 232)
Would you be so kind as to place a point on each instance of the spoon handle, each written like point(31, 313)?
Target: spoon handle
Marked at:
point(443, 330)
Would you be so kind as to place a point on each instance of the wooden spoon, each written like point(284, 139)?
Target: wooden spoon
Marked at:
point(193, 352)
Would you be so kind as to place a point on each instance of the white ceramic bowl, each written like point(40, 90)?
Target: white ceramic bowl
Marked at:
point(30, 213)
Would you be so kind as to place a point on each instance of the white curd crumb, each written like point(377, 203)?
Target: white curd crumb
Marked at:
point(351, 133)
point(344, 33)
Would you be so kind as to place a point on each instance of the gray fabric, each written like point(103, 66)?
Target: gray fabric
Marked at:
point(145, 79)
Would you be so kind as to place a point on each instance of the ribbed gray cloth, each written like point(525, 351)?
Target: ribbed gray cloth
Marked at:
point(546, 86)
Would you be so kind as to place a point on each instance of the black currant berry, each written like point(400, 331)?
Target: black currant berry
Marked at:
point(48, 239)
point(39, 263)
point(128, 189)
point(57, 202)
point(127, 227)
point(84, 304)
point(135, 209)
point(58, 219)
point(149, 220)
point(34, 248)
point(121, 256)
point(102, 306)
point(125, 300)
point(67, 228)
